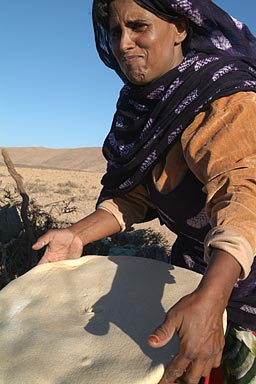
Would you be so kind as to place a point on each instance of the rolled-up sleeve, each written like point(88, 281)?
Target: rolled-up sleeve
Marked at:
point(134, 207)
point(220, 149)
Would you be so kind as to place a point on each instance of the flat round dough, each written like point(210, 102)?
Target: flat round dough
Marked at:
point(87, 321)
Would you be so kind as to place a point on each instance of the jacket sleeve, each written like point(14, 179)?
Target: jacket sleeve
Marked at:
point(134, 207)
point(220, 149)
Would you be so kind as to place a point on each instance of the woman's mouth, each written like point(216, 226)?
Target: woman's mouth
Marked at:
point(130, 59)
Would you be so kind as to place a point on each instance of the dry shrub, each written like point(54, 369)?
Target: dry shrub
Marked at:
point(141, 243)
point(63, 191)
point(66, 188)
point(69, 184)
point(37, 186)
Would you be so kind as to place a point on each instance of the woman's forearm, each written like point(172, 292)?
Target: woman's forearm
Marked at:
point(97, 225)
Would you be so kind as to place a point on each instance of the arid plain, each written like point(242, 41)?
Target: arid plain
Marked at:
point(62, 180)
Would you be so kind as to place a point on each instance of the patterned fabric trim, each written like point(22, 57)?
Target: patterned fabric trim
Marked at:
point(239, 357)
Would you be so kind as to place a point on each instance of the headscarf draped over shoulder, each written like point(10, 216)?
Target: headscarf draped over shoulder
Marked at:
point(220, 60)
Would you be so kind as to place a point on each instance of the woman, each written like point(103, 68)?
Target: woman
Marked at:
point(182, 148)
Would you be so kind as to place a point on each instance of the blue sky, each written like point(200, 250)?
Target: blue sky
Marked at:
point(54, 90)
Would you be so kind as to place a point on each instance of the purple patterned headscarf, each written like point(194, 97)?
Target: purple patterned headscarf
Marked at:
point(213, 29)
point(221, 60)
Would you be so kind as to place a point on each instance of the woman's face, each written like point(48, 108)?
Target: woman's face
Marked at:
point(145, 46)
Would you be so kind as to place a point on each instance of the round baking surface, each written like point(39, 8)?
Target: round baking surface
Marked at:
point(87, 321)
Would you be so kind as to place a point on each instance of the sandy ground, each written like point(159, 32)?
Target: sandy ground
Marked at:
point(59, 190)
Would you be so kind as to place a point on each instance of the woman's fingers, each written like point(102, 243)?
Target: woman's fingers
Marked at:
point(175, 370)
point(41, 242)
point(196, 370)
point(189, 368)
point(185, 371)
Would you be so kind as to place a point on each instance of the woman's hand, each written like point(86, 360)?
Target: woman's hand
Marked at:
point(61, 244)
point(65, 244)
point(198, 321)
point(199, 325)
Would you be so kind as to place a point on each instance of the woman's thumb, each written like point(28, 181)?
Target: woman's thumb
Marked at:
point(162, 335)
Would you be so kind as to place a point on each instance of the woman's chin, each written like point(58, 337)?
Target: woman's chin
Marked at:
point(137, 79)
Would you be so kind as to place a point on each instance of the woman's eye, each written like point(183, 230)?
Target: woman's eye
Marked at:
point(139, 27)
point(115, 33)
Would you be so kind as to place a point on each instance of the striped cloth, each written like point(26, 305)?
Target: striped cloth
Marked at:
point(239, 359)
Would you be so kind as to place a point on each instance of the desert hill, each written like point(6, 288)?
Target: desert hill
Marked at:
point(79, 159)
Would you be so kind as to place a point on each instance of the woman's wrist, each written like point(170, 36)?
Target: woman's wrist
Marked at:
point(221, 275)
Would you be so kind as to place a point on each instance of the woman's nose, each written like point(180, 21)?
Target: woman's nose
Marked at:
point(127, 40)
